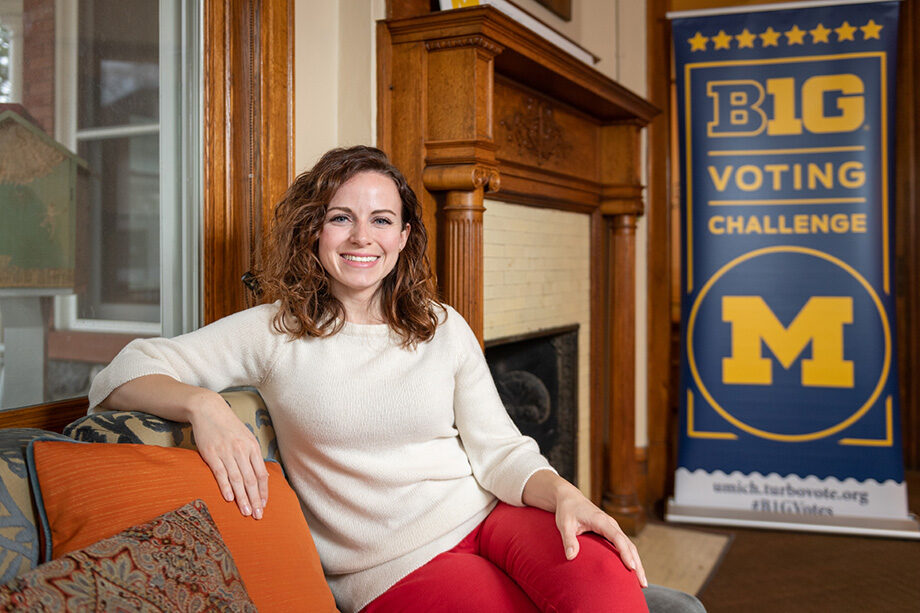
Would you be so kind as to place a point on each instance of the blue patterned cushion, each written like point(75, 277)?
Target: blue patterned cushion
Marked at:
point(19, 544)
point(144, 428)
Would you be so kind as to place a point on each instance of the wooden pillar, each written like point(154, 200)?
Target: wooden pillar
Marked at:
point(460, 163)
point(621, 206)
point(620, 498)
point(460, 263)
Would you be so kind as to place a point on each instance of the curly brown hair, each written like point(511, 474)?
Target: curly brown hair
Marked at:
point(293, 274)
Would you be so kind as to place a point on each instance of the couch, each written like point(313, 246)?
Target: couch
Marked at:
point(100, 511)
point(62, 496)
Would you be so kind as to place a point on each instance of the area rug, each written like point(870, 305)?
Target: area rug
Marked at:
point(680, 558)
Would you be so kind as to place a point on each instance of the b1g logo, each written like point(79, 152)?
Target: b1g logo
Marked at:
point(789, 343)
point(781, 106)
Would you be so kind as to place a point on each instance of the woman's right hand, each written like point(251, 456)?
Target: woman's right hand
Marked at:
point(224, 442)
point(231, 451)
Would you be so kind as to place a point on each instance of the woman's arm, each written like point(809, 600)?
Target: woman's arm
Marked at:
point(237, 350)
point(224, 442)
point(576, 515)
point(502, 459)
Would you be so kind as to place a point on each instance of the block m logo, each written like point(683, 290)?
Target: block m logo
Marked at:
point(820, 322)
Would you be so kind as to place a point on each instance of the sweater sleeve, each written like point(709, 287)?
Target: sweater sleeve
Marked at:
point(234, 351)
point(501, 457)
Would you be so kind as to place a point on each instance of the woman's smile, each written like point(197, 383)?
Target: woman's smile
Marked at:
point(359, 260)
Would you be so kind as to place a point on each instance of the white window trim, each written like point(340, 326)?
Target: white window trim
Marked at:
point(11, 18)
point(180, 302)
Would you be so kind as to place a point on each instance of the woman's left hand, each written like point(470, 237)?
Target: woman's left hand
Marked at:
point(576, 515)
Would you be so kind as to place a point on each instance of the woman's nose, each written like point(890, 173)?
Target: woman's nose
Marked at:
point(359, 233)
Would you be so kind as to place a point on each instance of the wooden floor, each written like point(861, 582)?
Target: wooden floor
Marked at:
point(765, 570)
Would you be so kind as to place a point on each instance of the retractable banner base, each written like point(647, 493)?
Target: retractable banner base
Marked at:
point(862, 526)
point(790, 502)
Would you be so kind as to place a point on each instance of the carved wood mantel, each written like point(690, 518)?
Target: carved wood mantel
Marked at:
point(469, 103)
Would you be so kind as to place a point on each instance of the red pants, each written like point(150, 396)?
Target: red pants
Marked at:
point(514, 561)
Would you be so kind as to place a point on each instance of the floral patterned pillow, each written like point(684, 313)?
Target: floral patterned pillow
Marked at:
point(176, 562)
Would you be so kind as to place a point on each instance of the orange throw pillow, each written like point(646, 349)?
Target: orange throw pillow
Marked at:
point(90, 491)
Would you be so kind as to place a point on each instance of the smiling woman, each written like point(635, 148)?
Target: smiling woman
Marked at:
point(348, 244)
point(414, 480)
point(362, 236)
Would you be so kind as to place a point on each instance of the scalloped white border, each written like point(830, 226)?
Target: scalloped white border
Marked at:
point(736, 474)
point(794, 495)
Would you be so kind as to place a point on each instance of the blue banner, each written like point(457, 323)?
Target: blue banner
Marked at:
point(789, 391)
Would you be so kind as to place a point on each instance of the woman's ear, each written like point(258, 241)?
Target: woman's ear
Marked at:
point(404, 236)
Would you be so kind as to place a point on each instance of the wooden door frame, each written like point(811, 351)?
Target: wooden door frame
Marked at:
point(247, 139)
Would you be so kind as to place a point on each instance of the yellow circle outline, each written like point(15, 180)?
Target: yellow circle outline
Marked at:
point(789, 438)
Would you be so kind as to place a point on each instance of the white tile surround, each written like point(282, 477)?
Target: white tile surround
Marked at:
point(537, 276)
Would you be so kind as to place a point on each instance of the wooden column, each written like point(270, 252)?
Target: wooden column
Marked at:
point(620, 497)
point(460, 265)
point(460, 163)
point(621, 206)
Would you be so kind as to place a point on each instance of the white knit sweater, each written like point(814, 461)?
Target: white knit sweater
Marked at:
point(395, 454)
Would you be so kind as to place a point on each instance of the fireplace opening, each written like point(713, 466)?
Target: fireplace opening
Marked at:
point(537, 376)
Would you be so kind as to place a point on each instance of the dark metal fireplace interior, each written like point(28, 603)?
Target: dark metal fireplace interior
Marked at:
point(537, 375)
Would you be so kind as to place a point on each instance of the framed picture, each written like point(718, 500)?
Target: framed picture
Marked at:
point(526, 19)
point(563, 8)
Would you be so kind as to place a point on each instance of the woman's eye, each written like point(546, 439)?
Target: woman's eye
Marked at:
point(338, 218)
point(383, 221)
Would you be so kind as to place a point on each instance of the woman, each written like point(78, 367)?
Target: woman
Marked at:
point(419, 491)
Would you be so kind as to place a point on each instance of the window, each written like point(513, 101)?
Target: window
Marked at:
point(111, 109)
point(128, 105)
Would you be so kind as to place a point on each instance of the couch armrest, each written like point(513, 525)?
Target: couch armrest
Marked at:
point(140, 427)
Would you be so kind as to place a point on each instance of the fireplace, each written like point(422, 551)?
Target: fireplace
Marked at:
point(537, 377)
point(480, 67)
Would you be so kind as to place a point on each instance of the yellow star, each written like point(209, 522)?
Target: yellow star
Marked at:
point(795, 35)
point(746, 39)
point(698, 42)
point(722, 40)
point(819, 34)
point(845, 32)
point(769, 37)
point(871, 30)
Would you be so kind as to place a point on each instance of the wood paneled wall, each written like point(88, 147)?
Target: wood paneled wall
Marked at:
point(660, 454)
point(907, 228)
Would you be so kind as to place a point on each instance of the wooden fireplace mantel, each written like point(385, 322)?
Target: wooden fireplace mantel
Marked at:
point(470, 102)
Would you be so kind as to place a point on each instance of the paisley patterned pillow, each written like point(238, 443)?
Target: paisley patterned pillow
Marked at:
point(19, 544)
point(176, 562)
point(139, 427)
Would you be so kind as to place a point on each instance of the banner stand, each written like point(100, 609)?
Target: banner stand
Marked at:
point(861, 526)
point(789, 396)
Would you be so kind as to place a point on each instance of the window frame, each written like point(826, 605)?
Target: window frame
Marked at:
point(180, 193)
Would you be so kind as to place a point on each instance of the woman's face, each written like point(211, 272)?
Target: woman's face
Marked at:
point(362, 236)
